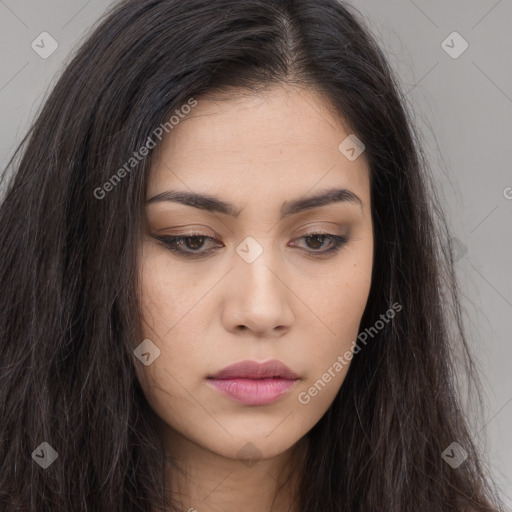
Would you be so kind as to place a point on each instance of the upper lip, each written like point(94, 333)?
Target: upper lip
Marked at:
point(255, 370)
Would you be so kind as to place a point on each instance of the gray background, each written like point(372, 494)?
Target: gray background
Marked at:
point(462, 107)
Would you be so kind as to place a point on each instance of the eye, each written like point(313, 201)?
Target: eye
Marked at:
point(192, 245)
point(189, 245)
point(316, 241)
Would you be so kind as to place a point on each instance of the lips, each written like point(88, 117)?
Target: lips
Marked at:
point(255, 370)
point(253, 383)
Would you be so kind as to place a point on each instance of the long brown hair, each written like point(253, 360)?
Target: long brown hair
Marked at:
point(68, 275)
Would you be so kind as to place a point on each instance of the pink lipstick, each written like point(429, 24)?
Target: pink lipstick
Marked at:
point(253, 383)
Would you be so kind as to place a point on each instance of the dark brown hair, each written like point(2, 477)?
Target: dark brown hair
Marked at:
point(69, 261)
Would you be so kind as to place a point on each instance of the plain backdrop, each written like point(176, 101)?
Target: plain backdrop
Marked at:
point(462, 103)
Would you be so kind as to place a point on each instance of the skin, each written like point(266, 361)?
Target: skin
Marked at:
point(255, 151)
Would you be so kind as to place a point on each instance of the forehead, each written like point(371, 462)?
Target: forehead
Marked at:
point(285, 139)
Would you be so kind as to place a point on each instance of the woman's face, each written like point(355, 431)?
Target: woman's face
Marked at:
point(247, 289)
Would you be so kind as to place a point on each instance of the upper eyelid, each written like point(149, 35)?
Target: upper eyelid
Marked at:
point(311, 227)
point(194, 234)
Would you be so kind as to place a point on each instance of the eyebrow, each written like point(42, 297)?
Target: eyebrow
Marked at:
point(214, 204)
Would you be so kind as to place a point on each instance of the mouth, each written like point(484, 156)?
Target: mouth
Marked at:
point(253, 383)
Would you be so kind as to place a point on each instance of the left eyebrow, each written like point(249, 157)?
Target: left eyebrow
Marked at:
point(214, 204)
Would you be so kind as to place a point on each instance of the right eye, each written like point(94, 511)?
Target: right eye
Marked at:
point(189, 245)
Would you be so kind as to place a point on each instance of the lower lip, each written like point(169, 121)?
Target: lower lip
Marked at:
point(253, 391)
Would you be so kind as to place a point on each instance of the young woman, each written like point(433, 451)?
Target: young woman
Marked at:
point(225, 279)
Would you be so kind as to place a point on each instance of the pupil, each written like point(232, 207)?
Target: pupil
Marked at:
point(318, 239)
point(199, 240)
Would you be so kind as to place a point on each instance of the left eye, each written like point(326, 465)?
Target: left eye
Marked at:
point(318, 239)
point(191, 245)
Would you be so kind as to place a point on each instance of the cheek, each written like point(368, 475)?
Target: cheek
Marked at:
point(338, 297)
point(167, 293)
point(338, 304)
point(164, 303)
point(173, 310)
point(165, 299)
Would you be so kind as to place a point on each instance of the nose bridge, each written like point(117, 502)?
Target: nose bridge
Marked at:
point(259, 297)
point(255, 264)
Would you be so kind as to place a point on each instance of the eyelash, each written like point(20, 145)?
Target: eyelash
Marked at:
point(173, 244)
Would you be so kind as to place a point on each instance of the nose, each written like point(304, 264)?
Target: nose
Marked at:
point(257, 299)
